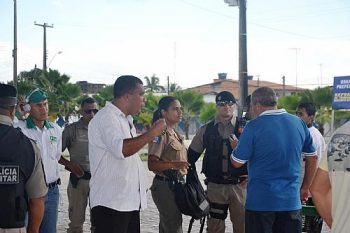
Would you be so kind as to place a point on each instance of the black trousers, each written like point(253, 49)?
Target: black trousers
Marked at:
point(106, 220)
point(273, 222)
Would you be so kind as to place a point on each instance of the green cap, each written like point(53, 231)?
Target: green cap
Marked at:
point(36, 96)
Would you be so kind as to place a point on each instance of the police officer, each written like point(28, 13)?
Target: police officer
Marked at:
point(22, 183)
point(226, 185)
point(167, 153)
point(75, 139)
point(48, 135)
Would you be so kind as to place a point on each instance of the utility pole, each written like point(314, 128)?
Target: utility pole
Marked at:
point(258, 76)
point(168, 84)
point(284, 85)
point(296, 67)
point(14, 52)
point(320, 73)
point(45, 25)
point(243, 70)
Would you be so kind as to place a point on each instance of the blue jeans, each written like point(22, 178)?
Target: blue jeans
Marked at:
point(273, 221)
point(49, 223)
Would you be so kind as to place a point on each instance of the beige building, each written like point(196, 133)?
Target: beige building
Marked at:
point(222, 84)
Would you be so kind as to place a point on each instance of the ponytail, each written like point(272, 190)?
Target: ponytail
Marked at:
point(157, 115)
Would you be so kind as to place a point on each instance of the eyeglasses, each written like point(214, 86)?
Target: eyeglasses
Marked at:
point(89, 111)
point(224, 103)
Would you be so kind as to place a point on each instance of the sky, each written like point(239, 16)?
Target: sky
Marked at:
point(191, 41)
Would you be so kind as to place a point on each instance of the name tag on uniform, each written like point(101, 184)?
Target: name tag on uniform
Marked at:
point(157, 140)
point(9, 174)
point(53, 139)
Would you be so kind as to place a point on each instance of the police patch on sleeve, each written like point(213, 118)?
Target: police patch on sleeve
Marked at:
point(157, 139)
point(9, 174)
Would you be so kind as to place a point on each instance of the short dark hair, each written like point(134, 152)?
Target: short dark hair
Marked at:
point(88, 100)
point(125, 84)
point(164, 104)
point(309, 108)
point(264, 96)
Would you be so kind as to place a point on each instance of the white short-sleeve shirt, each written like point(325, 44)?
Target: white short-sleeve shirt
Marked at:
point(49, 141)
point(319, 142)
point(116, 182)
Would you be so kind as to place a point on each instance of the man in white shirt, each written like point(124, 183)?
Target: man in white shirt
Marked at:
point(306, 112)
point(48, 136)
point(331, 186)
point(117, 185)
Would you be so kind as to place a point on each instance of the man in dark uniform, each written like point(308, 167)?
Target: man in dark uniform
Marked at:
point(226, 185)
point(22, 181)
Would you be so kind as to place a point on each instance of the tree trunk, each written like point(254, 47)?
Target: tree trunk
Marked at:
point(187, 128)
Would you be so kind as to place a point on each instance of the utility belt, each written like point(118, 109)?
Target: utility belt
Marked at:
point(54, 184)
point(74, 179)
point(232, 180)
point(162, 178)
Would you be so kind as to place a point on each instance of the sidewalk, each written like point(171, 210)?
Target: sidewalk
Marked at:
point(149, 217)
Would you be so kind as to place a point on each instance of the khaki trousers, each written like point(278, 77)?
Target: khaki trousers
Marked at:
point(232, 195)
point(78, 199)
point(170, 217)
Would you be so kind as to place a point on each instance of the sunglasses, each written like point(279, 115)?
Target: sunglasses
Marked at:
point(89, 111)
point(224, 103)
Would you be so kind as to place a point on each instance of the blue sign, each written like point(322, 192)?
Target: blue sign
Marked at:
point(341, 92)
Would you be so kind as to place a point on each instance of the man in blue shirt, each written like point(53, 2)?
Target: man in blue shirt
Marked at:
point(272, 144)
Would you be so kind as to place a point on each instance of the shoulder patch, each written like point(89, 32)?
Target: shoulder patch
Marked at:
point(157, 139)
point(9, 174)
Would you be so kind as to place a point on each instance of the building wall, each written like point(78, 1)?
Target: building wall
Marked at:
point(233, 87)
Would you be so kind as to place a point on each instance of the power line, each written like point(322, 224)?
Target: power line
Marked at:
point(251, 22)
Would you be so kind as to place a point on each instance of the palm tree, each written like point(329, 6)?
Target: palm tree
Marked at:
point(62, 94)
point(207, 112)
point(192, 103)
point(289, 103)
point(152, 84)
point(105, 94)
point(321, 96)
point(174, 87)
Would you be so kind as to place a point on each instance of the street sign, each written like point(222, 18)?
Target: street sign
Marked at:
point(341, 92)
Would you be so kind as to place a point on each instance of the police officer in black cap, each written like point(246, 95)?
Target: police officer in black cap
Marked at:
point(22, 181)
point(226, 185)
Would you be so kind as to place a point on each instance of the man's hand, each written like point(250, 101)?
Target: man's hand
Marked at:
point(75, 168)
point(158, 127)
point(304, 195)
point(179, 165)
point(233, 141)
point(72, 166)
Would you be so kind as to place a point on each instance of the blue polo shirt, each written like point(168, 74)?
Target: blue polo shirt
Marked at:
point(272, 144)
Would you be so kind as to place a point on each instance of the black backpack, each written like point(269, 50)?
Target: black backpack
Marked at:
point(190, 197)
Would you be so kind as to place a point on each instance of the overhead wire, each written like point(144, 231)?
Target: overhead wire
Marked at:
point(252, 23)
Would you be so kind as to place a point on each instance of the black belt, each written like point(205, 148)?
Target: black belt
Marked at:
point(162, 178)
point(54, 184)
point(231, 180)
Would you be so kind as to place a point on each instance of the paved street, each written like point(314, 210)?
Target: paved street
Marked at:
point(149, 217)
